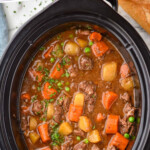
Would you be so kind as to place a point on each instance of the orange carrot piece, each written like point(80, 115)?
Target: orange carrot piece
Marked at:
point(25, 96)
point(119, 141)
point(24, 109)
point(56, 72)
point(95, 37)
point(99, 117)
point(74, 113)
point(112, 124)
point(99, 48)
point(108, 99)
point(124, 70)
point(36, 75)
point(46, 148)
point(47, 54)
point(43, 130)
point(48, 92)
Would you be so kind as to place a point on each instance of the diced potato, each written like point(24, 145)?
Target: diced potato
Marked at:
point(50, 111)
point(94, 136)
point(82, 43)
point(65, 128)
point(71, 48)
point(85, 124)
point(34, 137)
point(109, 71)
point(79, 99)
point(32, 123)
point(127, 83)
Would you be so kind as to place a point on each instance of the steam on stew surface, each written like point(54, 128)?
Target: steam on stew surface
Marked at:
point(78, 95)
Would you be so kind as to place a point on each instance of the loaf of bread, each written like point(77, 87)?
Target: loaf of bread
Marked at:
point(139, 10)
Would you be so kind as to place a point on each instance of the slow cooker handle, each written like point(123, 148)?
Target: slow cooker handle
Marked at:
point(114, 4)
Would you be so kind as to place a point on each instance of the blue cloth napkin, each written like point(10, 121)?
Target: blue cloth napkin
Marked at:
point(3, 31)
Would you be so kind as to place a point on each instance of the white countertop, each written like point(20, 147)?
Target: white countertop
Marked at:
point(17, 13)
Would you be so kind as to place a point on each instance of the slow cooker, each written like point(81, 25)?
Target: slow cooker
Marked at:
point(56, 18)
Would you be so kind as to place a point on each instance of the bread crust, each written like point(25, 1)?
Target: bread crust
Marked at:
point(139, 10)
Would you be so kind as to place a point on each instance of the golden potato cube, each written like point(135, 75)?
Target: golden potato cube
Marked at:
point(127, 83)
point(109, 71)
point(94, 136)
point(34, 137)
point(85, 124)
point(32, 123)
point(50, 111)
point(71, 48)
point(65, 128)
point(79, 99)
point(82, 43)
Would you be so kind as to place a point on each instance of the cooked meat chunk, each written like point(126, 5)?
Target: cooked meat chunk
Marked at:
point(111, 147)
point(24, 124)
point(124, 126)
point(88, 87)
point(90, 90)
point(63, 100)
point(125, 96)
point(95, 147)
point(85, 63)
point(56, 147)
point(80, 146)
point(58, 113)
point(132, 130)
point(83, 32)
point(79, 132)
point(37, 107)
point(129, 110)
point(67, 145)
point(73, 70)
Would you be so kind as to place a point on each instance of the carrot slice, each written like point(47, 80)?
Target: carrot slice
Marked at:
point(47, 54)
point(43, 130)
point(119, 141)
point(25, 96)
point(124, 70)
point(74, 112)
point(99, 117)
point(95, 37)
point(36, 75)
point(56, 72)
point(48, 92)
point(108, 99)
point(99, 48)
point(112, 124)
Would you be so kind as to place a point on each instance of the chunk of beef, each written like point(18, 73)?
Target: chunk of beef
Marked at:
point(56, 147)
point(95, 147)
point(80, 146)
point(124, 126)
point(73, 70)
point(63, 100)
point(85, 63)
point(67, 145)
point(129, 110)
point(83, 32)
point(111, 147)
point(37, 107)
point(132, 130)
point(88, 87)
point(79, 132)
point(24, 124)
point(58, 113)
point(125, 96)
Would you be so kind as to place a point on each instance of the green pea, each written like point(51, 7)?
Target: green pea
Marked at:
point(138, 120)
point(126, 135)
point(86, 141)
point(87, 50)
point(132, 137)
point(59, 84)
point(78, 138)
point(67, 89)
point(131, 119)
point(52, 60)
point(90, 43)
